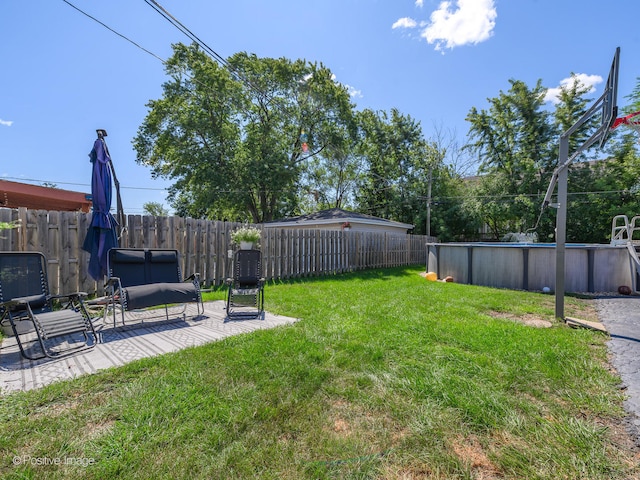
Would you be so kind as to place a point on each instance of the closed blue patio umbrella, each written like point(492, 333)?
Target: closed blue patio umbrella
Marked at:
point(104, 229)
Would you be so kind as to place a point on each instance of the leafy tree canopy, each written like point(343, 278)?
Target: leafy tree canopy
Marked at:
point(230, 138)
point(155, 209)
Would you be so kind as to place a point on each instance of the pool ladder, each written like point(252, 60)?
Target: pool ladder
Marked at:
point(622, 233)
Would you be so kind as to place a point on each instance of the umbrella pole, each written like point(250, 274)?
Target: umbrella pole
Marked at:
point(119, 209)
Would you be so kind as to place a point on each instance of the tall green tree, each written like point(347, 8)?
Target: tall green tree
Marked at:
point(230, 137)
point(192, 133)
point(450, 219)
point(584, 209)
point(626, 135)
point(514, 136)
point(448, 167)
point(602, 183)
point(571, 106)
point(606, 188)
point(331, 180)
point(393, 150)
point(634, 97)
point(515, 141)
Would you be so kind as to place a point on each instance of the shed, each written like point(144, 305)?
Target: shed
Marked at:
point(338, 219)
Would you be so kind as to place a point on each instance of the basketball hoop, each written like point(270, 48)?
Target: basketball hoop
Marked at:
point(631, 121)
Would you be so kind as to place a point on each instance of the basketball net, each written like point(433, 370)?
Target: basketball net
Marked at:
point(631, 121)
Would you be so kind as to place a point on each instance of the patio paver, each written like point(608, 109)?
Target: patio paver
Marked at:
point(121, 345)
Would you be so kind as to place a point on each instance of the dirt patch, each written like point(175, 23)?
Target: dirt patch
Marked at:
point(56, 409)
point(472, 454)
point(341, 427)
point(583, 308)
point(94, 431)
point(528, 319)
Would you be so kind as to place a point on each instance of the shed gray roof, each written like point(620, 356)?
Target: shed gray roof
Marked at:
point(333, 215)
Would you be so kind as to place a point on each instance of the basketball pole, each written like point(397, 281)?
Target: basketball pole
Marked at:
point(561, 224)
point(561, 178)
point(607, 104)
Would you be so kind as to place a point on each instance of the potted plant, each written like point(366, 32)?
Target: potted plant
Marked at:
point(246, 237)
point(346, 226)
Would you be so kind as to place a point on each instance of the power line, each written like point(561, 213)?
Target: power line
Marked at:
point(113, 31)
point(517, 195)
point(194, 38)
point(420, 197)
point(78, 184)
point(164, 62)
point(176, 23)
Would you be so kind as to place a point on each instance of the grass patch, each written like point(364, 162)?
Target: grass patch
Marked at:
point(385, 376)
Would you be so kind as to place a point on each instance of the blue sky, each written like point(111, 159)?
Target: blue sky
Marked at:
point(63, 75)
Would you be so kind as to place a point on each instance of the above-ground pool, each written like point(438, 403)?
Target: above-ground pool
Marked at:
point(532, 266)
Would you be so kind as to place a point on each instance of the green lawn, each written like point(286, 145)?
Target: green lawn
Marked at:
point(386, 375)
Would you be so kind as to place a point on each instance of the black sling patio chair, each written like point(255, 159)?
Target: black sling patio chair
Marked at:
point(245, 297)
point(25, 303)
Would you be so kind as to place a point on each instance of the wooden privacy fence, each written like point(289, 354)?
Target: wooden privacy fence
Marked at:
point(205, 247)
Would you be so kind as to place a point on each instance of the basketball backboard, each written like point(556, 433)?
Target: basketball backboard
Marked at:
point(610, 99)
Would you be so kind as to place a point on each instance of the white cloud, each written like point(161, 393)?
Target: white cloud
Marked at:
point(353, 92)
point(6, 123)
point(309, 76)
point(470, 22)
point(405, 22)
point(588, 81)
point(419, 3)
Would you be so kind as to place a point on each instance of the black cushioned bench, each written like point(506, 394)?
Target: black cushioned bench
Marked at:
point(139, 278)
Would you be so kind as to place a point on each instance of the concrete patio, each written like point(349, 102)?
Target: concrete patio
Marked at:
point(120, 345)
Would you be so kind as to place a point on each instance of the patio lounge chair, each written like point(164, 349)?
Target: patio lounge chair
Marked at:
point(139, 278)
point(245, 298)
point(25, 300)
